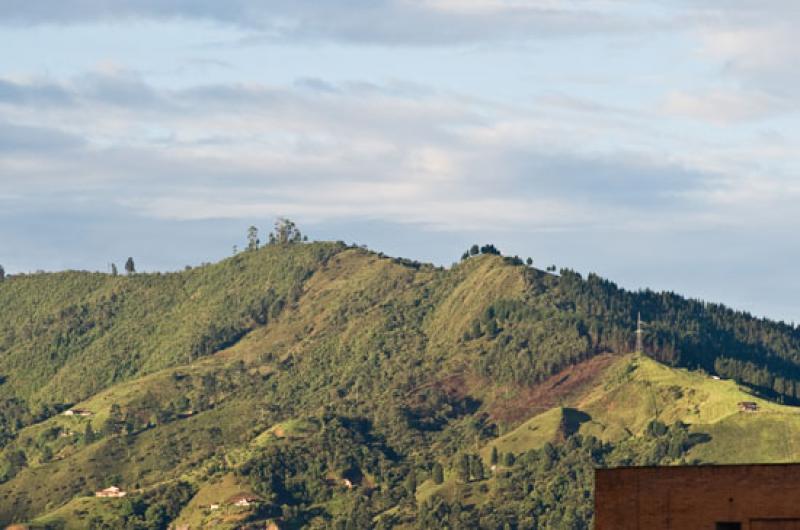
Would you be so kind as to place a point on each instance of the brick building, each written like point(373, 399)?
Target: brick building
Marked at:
point(729, 497)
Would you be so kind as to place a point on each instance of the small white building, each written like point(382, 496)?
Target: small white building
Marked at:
point(243, 500)
point(112, 491)
point(77, 412)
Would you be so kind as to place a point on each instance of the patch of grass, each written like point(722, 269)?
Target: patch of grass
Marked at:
point(639, 389)
point(763, 437)
point(532, 434)
point(75, 514)
point(198, 514)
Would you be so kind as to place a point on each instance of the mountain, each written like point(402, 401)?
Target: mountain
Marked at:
point(320, 385)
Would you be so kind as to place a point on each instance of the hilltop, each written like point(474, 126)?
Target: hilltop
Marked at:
point(337, 387)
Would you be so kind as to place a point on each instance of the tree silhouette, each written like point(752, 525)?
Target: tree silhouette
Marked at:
point(463, 469)
point(286, 231)
point(438, 473)
point(130, 267)
point(476, 468)
point(411, 483)
point(114, 422)
point(252, 238)
point(88, 434)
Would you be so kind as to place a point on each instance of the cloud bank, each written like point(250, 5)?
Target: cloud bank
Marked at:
point(397, 153)
point(593, 128)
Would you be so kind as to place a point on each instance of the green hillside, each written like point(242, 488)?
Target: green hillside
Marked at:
point(339, 388)
point(635, 391)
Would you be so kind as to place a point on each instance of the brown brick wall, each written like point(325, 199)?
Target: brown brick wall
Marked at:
point(761, 497)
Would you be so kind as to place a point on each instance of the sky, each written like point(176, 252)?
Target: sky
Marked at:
point(654, 142)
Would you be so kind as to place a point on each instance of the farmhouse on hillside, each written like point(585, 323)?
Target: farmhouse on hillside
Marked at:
point(112, 491)
point(748, 406)
point(242, 499)
point(77, 412)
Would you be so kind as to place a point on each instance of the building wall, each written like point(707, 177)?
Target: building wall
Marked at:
point(760, 497)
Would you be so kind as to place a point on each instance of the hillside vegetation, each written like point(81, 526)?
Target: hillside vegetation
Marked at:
point(335, 387)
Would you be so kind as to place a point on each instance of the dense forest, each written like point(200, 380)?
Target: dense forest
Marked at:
point(340, 388)
point(569, 318)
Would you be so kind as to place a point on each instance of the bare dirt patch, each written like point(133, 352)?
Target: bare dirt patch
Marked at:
point(520, 403)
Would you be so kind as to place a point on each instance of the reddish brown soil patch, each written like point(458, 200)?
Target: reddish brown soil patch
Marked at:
point(520, 403)
point(452, 385)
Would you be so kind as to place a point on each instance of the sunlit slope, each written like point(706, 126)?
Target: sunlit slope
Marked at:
point(251, 358)
point(75, 514)
point(636, 390)
point(65, 336)
point(532, 434)
point(197, 513)
point(221, 406)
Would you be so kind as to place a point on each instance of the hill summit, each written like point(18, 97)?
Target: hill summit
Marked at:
point(320, 385)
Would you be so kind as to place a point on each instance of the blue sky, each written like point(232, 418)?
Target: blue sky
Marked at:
point(651, 141)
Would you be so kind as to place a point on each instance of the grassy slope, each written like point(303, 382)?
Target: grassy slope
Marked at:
point(74, 514)
point(65, 336)
point(167, 452)
point(197, 513)
point(532, 434)
point(635, 390)
point(345, 305)
point(623, 398)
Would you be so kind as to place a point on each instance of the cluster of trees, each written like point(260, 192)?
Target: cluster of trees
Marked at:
point(690, 333)
point(104, 331)
point(551, 487)
point(470, 468)
point(475, 250)
point(525, 343)
point(130, 267)
point(154, 510)
point(197, 393)
point(566, 319)
point(546, 488)
point(194, 394)
point(295, 477)
point(285, 231)
point(14, 414)
point(489, 248)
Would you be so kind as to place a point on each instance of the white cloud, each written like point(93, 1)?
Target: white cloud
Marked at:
point(760, 55)
point(392, 22)
point(352, 151)
point(725, 106)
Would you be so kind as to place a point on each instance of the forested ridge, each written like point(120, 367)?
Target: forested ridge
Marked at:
point(343, 388)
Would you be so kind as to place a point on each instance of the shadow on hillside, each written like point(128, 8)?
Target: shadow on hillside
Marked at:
point(697, 438)
point(571, 421)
